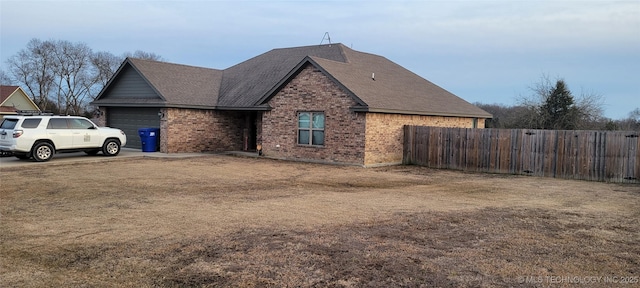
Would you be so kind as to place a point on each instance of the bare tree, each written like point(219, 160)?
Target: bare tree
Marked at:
point(508, 117)
point(635, 114)
point(5, 79)
point(631, 123)
point(105, 65)
point(532, 103)
point(62, 76)
point(144, 55)
point(33, 68)
point(73, 78)
point(590, 110)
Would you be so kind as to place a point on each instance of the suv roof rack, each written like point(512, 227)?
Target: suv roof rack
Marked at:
point(34, 113)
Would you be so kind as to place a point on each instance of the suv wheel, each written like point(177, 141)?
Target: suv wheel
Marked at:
point(111, 147)
point(42, 152)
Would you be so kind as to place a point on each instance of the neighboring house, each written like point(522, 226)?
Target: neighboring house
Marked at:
point(325, 103)
point(14, 99)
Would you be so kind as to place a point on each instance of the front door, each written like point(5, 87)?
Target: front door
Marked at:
point(249, 132)
point(84, 133)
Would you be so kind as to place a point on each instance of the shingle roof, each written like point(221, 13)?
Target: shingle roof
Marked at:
point(182, 84)
point(6, 91)
point(386, 86)
point(176, 84)
point(245, 83)
point(248, 84)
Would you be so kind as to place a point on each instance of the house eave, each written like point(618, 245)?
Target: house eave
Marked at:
point(153, 105)
point(423, 113)
point(251, 108)
point(181, 106)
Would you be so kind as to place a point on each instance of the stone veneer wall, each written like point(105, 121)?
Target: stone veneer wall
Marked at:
point(384, 135)
point(312, 91)
point(102, 119)
point(193, 130)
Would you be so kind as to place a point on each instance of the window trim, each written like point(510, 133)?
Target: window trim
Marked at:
point(310, 129)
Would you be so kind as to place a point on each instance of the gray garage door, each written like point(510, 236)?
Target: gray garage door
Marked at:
point(130, 120)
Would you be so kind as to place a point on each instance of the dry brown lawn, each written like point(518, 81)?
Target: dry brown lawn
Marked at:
point(223, 221)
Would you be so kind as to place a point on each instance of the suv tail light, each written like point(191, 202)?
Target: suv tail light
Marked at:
point(17, 133)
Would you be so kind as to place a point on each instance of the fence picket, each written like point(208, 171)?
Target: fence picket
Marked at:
point(612, 156)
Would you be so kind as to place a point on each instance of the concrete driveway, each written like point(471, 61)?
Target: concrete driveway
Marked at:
point(7, 162)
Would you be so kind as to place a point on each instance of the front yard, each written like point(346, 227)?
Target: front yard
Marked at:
point(220, 221)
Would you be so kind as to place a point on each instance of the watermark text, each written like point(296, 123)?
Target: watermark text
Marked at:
point(571, 279)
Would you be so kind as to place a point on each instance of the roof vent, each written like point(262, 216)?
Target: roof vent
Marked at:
point(373, 76)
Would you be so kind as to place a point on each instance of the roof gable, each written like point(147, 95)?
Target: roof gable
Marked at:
point(131, 84)
point(167, 84)
point(295, 71)
point(6, 91)
point(13, 98)
point(244, 84)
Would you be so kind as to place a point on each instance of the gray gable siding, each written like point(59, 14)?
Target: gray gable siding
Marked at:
point(130, 84)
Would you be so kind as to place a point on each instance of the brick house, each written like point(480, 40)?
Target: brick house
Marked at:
point(325, 103)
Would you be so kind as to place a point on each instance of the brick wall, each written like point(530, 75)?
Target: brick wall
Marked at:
point(193, 130)
point(384, 134)
point(311, 90)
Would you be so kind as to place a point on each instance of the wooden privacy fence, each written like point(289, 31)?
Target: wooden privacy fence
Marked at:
point(612, 156)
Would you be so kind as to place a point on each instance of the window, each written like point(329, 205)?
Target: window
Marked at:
point(31, 123)
point(9, 123)
point(311, 128)
point(475, 123)
point(80, 124)
point(57, 123)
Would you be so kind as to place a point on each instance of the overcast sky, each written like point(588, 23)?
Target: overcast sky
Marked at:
point(483, 51)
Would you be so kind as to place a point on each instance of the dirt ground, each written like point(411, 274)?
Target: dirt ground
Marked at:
point(223, 221)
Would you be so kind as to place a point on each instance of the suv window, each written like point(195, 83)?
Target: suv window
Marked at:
point(57, 123)
point(31, 123)
point(8, 123)
point(80, 124)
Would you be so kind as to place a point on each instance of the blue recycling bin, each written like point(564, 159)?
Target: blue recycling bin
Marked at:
point(149, 138)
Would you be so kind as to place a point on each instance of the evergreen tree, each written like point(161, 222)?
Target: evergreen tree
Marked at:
point(558, 110)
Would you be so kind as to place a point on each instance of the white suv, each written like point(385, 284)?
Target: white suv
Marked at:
point(40, 136)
